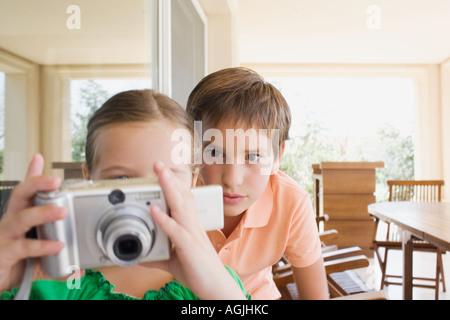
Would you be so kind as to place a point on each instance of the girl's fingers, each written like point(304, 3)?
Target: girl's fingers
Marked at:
point(167, 224)
point(182, 238)
point(25, 248)
point(16, 225)
point(20, 216)
point(166, 181)
point(23, 194)
point(178, 196)
point(36, 166)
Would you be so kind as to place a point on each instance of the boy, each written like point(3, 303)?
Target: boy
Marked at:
point(266, 213)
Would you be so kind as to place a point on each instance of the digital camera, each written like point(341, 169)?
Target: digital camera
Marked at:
point(109, 223)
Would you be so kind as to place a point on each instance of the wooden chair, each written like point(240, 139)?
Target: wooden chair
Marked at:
point(370, 295)
point(341, 281)
point(338, 265)
point(417, 191)
point(6, 187)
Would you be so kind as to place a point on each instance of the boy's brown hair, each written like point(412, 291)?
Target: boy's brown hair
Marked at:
point(240, 95)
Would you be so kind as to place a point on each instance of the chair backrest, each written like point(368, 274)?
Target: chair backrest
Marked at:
point(415, 190)
point(6, 187)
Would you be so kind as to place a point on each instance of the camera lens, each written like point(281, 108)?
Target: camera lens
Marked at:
point(127, 247)
point(116, 196)
point(126, 239)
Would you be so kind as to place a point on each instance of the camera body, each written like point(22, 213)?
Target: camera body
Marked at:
point(109, 223)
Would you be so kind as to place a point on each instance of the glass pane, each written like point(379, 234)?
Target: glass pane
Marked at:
point(86, 97)
point(46, 44)
point(2, 120)
point(350, 119)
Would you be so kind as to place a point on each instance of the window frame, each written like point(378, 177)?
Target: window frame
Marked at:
point(428, 161)
point(22, 102)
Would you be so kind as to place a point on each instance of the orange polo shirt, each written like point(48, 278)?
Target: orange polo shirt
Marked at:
point(280, 221)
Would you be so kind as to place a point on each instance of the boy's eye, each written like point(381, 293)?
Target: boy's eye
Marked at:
point(252, 157)
point(215, 153)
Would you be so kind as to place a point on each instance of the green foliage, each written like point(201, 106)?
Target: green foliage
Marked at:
point(397, 153)
point(315, 146)
point(2, 120)
point(1, 164)
point(92, 96)
point(303, 151)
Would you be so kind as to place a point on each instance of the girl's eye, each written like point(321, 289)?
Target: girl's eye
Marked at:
point(253, 157)
point(122, 177)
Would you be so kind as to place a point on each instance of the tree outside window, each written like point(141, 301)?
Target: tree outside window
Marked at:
point(2, 120)
point(349, 119)
point(86, 97)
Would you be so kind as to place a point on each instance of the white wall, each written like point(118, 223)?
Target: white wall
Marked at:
point(445, 125)
point(22, 114)
point(428, 154)
point(223, 36)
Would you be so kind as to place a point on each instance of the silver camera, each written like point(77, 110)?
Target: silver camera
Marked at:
point(109, 223)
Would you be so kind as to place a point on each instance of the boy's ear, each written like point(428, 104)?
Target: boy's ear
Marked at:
point(85, 171)
point(277, 161)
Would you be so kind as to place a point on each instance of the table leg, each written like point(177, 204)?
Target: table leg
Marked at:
point(407, 265)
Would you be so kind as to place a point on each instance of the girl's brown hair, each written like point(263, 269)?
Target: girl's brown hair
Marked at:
point(133, 106)
point(240, 95)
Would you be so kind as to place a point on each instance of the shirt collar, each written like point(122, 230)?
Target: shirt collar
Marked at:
point(258, 214)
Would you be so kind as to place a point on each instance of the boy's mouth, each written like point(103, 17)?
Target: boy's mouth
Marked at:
point(229, 198)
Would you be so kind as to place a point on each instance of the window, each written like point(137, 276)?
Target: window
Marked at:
point(46, 46)
point(2, 120)
point(86, 96)
point(350, 119)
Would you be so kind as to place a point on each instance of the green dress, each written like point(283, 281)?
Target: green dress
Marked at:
point(94, 286)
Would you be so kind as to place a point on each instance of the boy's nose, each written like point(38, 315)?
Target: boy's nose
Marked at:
point(233, 175)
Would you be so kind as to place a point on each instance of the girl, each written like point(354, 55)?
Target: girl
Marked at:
point(129, 136)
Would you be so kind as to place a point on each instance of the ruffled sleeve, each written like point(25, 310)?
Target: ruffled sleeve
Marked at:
point(94, 286)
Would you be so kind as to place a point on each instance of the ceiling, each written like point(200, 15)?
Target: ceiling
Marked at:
point(269, 31)
point(111, 31)
point(336, 31)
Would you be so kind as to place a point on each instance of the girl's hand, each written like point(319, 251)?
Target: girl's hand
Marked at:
point(194, 262)
point(19, 218)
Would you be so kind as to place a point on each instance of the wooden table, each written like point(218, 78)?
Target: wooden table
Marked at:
point(425, 220)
